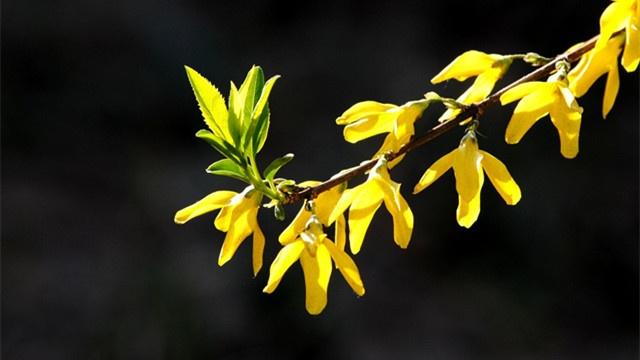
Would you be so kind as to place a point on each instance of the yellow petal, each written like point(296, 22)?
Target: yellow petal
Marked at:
point(258, 242)
point(211, 202)
point(223, 219)
point(434, 171)
point(291, 232)
point(368, 127)
point(470, 63)
point(345, 201)
point(317, 272)
point(363, 207)
point(631, 55)
point(239, 230)
point(346, 266)
point(522, 90)
point(402, 220)
point(326, 202)
point(397, 207)
point(613, 18)
point(341, 232)
point(483, 85)
point(567, 122)
point(286, 257)
point(468, 211)
point(468, 169)
point(528, 111)
point(610, 90)
point(576, 84)
point(501, 179)
point(581, 78)
point(362, 110)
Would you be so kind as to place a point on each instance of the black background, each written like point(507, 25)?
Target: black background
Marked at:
point(98, 153)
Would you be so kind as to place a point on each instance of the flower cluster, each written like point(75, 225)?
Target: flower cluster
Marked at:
point(238, 129)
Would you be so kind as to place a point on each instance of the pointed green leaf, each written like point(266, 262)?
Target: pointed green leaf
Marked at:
point(250, 91)
point(264, 97)
point(235, 113)
point(258, 114)
point(210, 101)
point(271, 170)
point(227, 167)
point(261, 132)
point(223, 147)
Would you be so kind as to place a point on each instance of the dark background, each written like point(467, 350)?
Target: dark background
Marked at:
point(98, 153)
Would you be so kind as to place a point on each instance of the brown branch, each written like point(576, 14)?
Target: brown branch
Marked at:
point(474, 110)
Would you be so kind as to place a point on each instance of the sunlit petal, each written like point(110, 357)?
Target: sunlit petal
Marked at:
point(361, 212)
point(291, 232)
point(211, 202)
point(568, 125)
point(522, 90)
point(613, 18)
point(631, 55)
point(611, 90)
point(285, 258)
point(468, 169)
point(317, 272)
point(341, 232)
point(434, 172)
point(468, 211)
point(345, 201)
point(366, 128)
point(470, 63)
point(528, 111)
point(346, 266)
point(258, 242)
point(362, 110)
point(501, 179)
point(239, 230)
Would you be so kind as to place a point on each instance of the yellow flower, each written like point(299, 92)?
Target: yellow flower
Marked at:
point(488, 68)
point(238, 218)
point(322, 207)
point(539, 99)
point(315, 252)
point(370, 118)
point(622, 14)
point(594, 64)
point(364, 200)
point(467, 162)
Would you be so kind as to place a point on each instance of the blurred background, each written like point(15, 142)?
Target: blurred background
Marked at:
point(98, 152)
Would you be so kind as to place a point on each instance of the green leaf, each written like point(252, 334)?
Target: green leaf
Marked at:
point(258, 114)
point(227, 167)
point(210, 102)
point(264, 97)
point(235, 113)
point(271, 170)
point(227, 150)
point(250, 91)
point(261, 131)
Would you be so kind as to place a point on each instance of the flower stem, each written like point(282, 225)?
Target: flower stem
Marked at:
point(474, 110)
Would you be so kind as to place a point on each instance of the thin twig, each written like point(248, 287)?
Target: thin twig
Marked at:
point(473, 110)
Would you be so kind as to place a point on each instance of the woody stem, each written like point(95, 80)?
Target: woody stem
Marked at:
point(474, 110)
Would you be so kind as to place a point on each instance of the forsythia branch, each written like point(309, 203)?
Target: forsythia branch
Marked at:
point(474, 110)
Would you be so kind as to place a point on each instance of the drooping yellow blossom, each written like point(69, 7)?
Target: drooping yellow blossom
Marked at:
point(622, 14)
point(238, 218)
point(315, 251)
point(364, 200)
point(370, 118)
point(322, 207)
point(468, 162)
point(594, 64)
point(488, 68)
point(539, 99)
